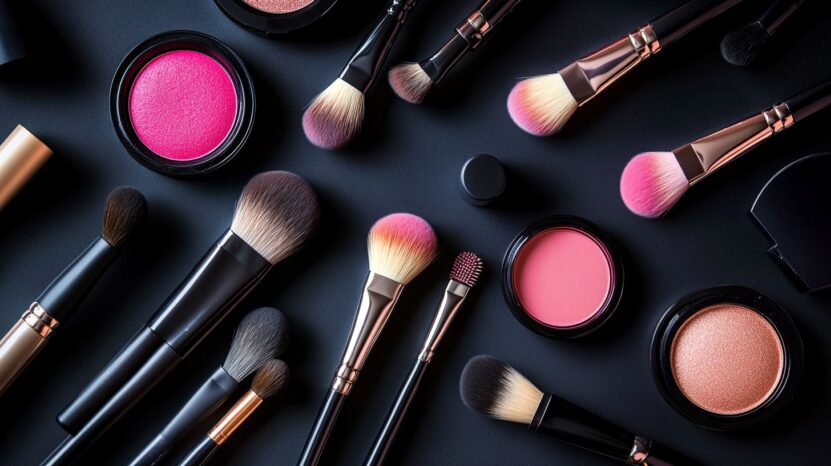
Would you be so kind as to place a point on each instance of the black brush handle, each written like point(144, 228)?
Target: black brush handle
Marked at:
point(777, 13)
point(810, 101)
point(368, 59)
point(162, 362)
point(385, 438)
point(687, 17)
point(207, 399)
point(322, 428)
point(201, 453)
point(494, 11)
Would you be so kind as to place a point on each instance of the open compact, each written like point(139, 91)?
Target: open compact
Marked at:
point(727, 357)
point(561, 277)
point(271, 17)
point(182, 103)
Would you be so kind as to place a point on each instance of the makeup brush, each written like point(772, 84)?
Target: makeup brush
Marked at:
point(268, 382)
point(124, 212)
point(276, 213)
point(412, 81)
point(262, 335)
point(400, 247)
point(542, 105)
point(653, 182)
point(498, 391)
point(335, 116)
point(463, 276)
point(742, 46)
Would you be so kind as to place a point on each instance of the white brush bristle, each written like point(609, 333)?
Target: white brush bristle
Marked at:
point(541, 105)
point(401, 246)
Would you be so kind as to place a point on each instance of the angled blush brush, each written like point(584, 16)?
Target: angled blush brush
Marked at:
point(400, 247)
point(742, 46)
point(125, 210)
point(463, 276)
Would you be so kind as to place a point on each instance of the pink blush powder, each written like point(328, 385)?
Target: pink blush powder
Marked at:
point(563, 277)
point(183, 105)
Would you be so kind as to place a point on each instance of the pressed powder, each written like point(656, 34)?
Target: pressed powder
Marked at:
point(278, 6)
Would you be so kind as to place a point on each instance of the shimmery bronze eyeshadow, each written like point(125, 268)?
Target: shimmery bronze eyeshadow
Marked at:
point(278, 7)
point(727, 359)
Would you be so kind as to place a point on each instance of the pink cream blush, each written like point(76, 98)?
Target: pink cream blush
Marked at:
point(183, 105)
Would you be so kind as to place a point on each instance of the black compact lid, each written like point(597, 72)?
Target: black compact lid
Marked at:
point(13, 45)
point(794, 211)
point(483, 179)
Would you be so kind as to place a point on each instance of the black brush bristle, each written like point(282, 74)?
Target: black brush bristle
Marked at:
point(126, 210)
point(270, 379)
point(743, 45)
point(262, 334)
point(482, 384)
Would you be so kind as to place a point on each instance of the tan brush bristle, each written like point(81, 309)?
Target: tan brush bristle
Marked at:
point(401, 246)
point(542, 105)
point(497, 390)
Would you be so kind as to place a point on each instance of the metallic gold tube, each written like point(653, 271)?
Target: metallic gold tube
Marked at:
point(23, 342)
point(235, 416)
point(21, 155)
point(453, 298)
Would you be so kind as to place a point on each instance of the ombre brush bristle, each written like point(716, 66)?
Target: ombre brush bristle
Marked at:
point(125, 211)
point(541, 105)
point(497, 390)
point(410, 82)
point(335, 116)
point(466, 268)
point(401, 246)
point(652, 183)
point(270, 379)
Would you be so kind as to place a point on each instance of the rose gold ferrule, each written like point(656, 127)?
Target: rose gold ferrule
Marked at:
point(700, 158)
point(377, 301)
point(588, 76)
point(473, 28)
point(23, 342)
point(235, 416)
point(451, 301)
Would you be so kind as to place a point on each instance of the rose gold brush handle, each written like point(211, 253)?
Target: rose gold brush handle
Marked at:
point(23, 342)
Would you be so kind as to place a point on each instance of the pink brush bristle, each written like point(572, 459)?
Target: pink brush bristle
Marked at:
point(652, 183)
point(323, 130)
point(466, 268)
point(519, 107)
point(407, 228)
point(401, 246)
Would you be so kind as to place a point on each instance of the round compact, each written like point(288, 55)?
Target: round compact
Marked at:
point(271, 17)
point(562, 278)
point(182, 103)
point(727, 357)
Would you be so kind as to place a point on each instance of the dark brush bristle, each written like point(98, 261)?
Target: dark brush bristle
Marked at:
point(482, 383)
point(743, 45)
point(262, 334)
point(466, 268)
point(270, 379)
point(126, 209)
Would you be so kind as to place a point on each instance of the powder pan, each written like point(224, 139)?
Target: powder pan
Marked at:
point(294, 14)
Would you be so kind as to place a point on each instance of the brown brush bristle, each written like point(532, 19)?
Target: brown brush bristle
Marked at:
point(126, 209)
point(270, 379)
point(466, 268)
point(410, 82)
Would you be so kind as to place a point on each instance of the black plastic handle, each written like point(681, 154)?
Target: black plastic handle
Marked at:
point(687, 17)
point(201, 453)
point(495, 11)
point(777, 13)
point(325, 422)
point(810, 101)
point(662, 456)
point(386, 436)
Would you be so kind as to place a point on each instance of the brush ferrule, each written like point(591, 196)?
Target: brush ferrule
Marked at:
point(700, 158)
point(39, 320)
point(451, 301)
point(588, 76)
point(473, 28)
point(377, 301)
point(443, 61)
point(640, 452)
point(23, 342)
point(235, 416)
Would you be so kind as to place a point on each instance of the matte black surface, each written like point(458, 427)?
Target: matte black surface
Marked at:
point(408, 159)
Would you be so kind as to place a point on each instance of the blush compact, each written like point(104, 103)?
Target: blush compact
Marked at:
point(274, 17)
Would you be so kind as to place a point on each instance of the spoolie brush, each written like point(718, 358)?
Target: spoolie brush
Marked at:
point(268, 382)
point(653, 182)
point(335, 116)
point(742, 46)
point(124, 212)
point(261, 335)
point(463, 276)
point(499, 391)
point(400, 247)
point(542, 105)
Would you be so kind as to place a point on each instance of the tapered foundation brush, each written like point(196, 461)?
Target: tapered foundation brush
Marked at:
point(124, 212)
point(412, 81)
point(463, 277)
point(262, 335)
point(400, 247)
point(742, 46)
point(276, 213)
point(335, 116)
point(653, 182)
point(268, 382)
point(542, 105)
point(499, 391)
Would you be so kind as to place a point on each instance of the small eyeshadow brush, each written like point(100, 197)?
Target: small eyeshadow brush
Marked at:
point(742, 46)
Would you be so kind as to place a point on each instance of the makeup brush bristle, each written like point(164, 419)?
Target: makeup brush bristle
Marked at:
point(742, 46)
point(276, 213)
point(466, 268)
point(270, 379)
point(541, 105)
point(652, 183)
point(126, 209)
point(401, 246)
point(335, 116)
point(410, 82)
point(261, 335)
point(497, 390)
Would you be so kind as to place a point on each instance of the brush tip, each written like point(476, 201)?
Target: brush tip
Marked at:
point(261, 335)
point(466, 268)
point(542, 105)
point(126, 209)
point(490, 387)
point(410, 82)
point(335, 116)
point(401, 246)
point(270, 379)
point(742, 46)
point(652, 183)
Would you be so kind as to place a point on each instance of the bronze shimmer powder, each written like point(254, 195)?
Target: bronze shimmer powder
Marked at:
point(278, 7)
point(727, 359)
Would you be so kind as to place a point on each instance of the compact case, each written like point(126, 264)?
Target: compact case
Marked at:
point(272, 17)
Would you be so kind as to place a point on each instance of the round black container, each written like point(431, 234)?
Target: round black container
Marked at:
point(689, 305)
point(269, 24)
point(483, 179)
point(613, 296)
point(133, 63)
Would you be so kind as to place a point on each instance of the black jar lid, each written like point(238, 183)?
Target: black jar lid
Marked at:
point(483, 179)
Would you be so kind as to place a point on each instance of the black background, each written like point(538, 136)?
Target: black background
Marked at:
point(408, 159)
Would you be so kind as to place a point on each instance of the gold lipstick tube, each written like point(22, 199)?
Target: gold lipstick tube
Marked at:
point(21, 156)
point(454, 296)
point(23, 342)
point(234, 418)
